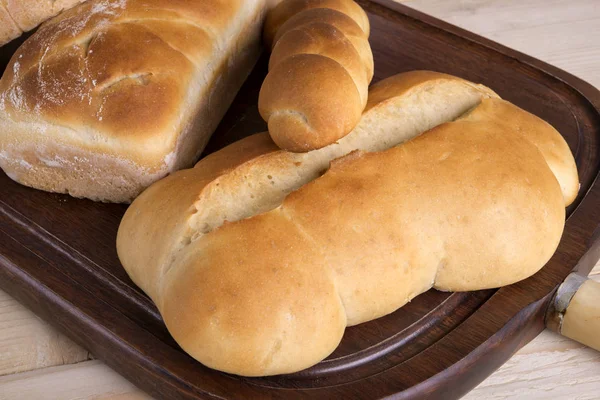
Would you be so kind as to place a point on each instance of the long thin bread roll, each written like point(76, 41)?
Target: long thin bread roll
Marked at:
point(319, 72)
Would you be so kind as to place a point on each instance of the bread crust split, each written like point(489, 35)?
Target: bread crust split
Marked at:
point(258, 258)
point(89, 106)
point(319, 72)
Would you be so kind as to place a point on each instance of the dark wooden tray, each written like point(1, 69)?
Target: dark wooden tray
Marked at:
point(57, 254)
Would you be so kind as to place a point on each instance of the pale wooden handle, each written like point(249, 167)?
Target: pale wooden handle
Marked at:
point(581, 320)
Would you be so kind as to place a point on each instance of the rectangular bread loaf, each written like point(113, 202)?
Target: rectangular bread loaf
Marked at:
point(112, 95)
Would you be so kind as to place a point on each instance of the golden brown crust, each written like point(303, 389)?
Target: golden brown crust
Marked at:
point(304, 97)
point(332, 44)
point(174, 204)
point(342, 23)
point(289, 8)
point(551, 144)
point(256, 161)
point(292, 313)
point(468, 205)
point(122, 100)
point(319, 73)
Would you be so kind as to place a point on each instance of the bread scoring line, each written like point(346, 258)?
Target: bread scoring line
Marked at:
point(193, 234)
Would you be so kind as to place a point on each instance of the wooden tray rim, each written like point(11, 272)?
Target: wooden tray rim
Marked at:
point(60, 305)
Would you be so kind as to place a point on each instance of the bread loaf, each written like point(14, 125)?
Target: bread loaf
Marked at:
point(319, 72)
point(112, 95)
point(18, 16)
point(259, 258)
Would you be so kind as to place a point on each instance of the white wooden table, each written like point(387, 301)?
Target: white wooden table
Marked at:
point(37, 363)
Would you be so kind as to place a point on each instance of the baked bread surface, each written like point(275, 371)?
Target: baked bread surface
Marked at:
point(259, 258)
point(279, 15)
point(19, 16)
point(114, 94)
point(319, 72)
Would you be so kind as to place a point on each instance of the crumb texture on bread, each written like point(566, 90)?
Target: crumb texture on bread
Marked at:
point(96, 82)
point(259, 258)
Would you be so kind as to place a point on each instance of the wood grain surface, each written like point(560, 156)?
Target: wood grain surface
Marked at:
point(37, 362)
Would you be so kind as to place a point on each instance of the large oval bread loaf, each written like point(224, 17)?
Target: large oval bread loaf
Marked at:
point(319, 72)
point(259, 258)
point(113, 95)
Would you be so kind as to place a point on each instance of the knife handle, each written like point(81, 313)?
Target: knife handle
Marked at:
point(575, 310)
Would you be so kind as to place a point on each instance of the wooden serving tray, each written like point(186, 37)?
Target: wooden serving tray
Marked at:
point(57, 253)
